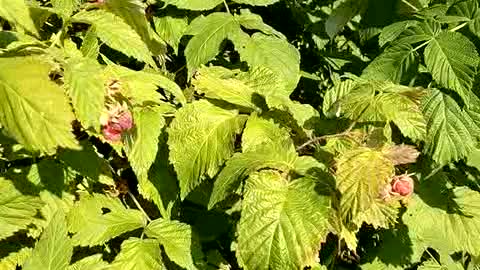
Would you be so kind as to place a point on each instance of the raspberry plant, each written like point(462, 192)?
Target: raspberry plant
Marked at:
point(239, 134)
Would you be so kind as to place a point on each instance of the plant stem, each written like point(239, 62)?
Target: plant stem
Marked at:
point(324, 137)
point(421, 45)
point(410, 5)
point(458, 27)
point(139, 206)
point(226, 6)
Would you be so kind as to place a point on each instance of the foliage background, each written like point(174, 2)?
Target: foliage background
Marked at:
point(253, 134)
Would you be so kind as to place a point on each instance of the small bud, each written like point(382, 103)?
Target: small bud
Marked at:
point(402, 185)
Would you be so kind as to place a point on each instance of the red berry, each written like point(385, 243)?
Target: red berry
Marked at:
point(402, 185)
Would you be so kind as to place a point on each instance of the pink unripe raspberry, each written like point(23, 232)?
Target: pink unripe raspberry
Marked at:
point(112, 132)
point(402, 185)
point(125, 120)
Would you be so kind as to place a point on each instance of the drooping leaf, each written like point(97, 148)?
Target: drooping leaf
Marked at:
point(362, 173)
point(17, 11)
point(16, 210)
point(171, 29)
point(31, 104)
point(256, 2)
point(141, 154)
point(402, 154)
point(452, 59)
point(85, 85)
point(94, 227)
point(342, 15)
point(282, 223)
point(393, 31)
point(138, 254)
point(93, 262)
point(65, 7)
point(194, 4)
point(277, 55)
point(259, 131)
point(396, 64)
point(239, 88)
point(281, 156)
point(450, 134)
point(208, 34)
point(176, 239)
point(90, 47)
point(133, 13)
point(141, 86)
point(253, 21)
point(149, 122)
point(116, 34)
point(54, 249)
point(201, 137)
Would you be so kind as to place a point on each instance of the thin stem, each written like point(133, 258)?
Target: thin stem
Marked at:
point(139, 206)
point(226, 6)
point(458, 27)
point(421, 45)
point(410, 5)
point(324, 137)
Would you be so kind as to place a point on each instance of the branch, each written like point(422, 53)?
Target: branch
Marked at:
point(139, 206)
point(324, 137)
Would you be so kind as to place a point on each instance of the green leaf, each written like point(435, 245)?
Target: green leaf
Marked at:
point(16, 210)
point(470, 12)
point(65, 7)
point(171, 29)
point(201, 138)
point(133, 13)
point(90, 47)
point(239, 88)
point(92, 227)
point(450, 133)
point(31, 104)
point(396, 63)
point(282, 223)
point(54, 249)
point(15, 258)
point(86, 86)
point(256, 2)
point(93, 262)
point(361, 174)
point(194, 4)
point(378, 265)
point(141, 86)
point(149, 122)
point(425, 31)
point(17, 11)
point(281, 156)
point(138, 254)
point(208, 34)
point(393, 31)
point(342, 15)
point(176, 239)
point(452, 59)
point(253, 21)
point(473, 159)
point(275, 54)
point(259, 131)
point(116, 34)
point(450, 221)
point(331, 105)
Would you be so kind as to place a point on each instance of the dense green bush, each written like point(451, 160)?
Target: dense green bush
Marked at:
point(239, 134)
